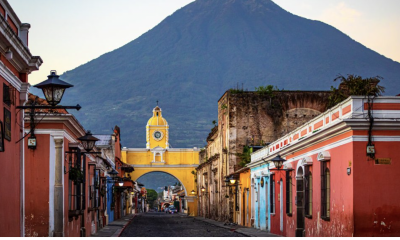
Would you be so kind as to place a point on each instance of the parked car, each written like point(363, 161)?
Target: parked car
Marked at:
point(172, 210)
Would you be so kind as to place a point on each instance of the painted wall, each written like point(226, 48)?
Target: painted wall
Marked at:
point(376, 190)
point(10, 159)
point(37, 185)
point(341, 204)
point(245, 206)
point(261, 209)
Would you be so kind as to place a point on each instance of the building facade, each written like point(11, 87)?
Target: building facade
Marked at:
point(339, 174)
point(247, 119)
point(16, 63)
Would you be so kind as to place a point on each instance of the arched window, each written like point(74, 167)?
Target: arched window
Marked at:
point(272, 194)
point(289, 193)
point(252, 197)
point(325, 191)
point(308, 192)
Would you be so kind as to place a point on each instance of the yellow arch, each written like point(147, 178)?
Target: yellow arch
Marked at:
point(154, 171)
point(179, 163)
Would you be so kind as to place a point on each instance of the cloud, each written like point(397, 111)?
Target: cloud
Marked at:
point(341, 13)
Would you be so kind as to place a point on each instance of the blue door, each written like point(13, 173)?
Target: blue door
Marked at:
point(110, 199)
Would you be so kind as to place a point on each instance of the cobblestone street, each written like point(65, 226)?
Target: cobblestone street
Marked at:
point(157, 224)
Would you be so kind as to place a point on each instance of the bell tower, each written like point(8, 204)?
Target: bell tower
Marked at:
point(157, 130)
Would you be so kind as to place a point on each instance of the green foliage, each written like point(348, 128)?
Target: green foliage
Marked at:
point(75, 175)
point(224, 106)
point(151, 196)
point(355, 85)
point(214, 122)
point(245, 157)
point(267, 90)
point(236, 91)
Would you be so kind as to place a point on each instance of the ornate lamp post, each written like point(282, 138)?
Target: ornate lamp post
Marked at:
point(88, 141)
point(53, 89)
point(278, 161)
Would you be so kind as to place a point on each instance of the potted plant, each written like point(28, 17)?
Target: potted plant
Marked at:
point(103, 191)
point(75, 175)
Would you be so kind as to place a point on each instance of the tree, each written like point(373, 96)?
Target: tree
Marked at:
point(355, 85)
point(151, 196)
point(245, 157)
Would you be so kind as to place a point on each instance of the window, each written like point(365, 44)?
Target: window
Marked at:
point(308, 192)
point(76, 183)
point(272, 194)
point(325, 191)
point(289, 193)
point(94, 188)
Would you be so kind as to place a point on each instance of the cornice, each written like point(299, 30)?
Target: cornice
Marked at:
point(68, 120)
point(22, 60)
point(10, 77)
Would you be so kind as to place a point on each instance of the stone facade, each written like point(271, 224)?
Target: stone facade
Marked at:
point(247, 119)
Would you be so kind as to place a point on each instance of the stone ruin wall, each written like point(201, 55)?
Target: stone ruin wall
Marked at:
point(250, 124)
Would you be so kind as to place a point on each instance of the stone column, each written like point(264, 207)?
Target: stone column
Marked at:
point(58, 189)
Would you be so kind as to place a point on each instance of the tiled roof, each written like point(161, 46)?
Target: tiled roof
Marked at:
point(42, 102)
point(104, 140)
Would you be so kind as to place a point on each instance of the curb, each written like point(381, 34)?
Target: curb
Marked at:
point(122, 229)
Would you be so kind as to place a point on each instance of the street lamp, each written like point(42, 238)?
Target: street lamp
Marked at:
point(121, 182)
point(278, 161)
point(192, 192)
point(53, 89)
point(203, 189)
point(88, 141)
point(232, 180)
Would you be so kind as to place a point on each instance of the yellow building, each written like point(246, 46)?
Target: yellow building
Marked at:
point(159, 157)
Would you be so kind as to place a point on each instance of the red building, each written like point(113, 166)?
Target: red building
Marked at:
point(62, 188)
point(341, 172)
point(16, 62)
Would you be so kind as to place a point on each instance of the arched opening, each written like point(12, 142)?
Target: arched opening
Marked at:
point(164, 191)
point(158, 157)
point(300, 202)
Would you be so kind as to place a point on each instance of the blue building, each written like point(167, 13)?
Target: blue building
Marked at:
point(262, 191)
point(110, 199)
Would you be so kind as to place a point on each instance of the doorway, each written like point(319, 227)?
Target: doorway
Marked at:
point(281, 205)
point(258, 206)
point(300, 203)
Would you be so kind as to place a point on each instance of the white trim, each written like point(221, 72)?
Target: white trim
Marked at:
point(55, 133)
point(307, 161)
point(324, 156)
point(10, 77)
point(52, 161)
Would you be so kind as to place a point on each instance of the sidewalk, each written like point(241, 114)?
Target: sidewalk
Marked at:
point(115, 228)
point(250, 232)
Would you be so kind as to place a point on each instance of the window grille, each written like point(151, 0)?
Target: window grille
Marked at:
point(94, 187)
point(289, 193)
point(325, 191)
point(272, 194)
point(76, 184)
point(308, 192)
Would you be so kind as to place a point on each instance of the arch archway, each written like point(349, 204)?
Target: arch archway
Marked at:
point(158, 171)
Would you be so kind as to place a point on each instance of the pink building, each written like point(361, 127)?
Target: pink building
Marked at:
point(16, 63)
point(340, 174)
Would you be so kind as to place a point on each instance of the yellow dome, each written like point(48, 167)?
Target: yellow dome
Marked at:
point(157, 119)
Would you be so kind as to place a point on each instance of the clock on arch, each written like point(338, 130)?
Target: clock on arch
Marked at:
point(157, 135)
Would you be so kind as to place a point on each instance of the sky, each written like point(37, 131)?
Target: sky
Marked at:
point(67, 34)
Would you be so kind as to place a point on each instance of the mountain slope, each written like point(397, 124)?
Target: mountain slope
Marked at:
point(192, 57)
